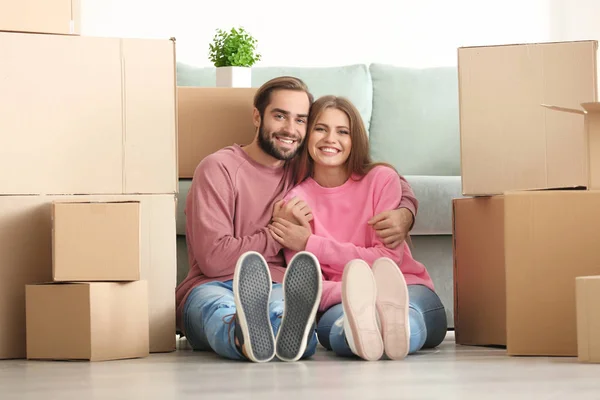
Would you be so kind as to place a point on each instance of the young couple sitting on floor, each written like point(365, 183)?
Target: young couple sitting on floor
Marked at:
point(299, 238)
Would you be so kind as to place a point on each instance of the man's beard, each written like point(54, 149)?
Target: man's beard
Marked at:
point(267, 144)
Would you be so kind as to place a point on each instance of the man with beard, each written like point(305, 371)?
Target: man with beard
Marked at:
point(233, 301)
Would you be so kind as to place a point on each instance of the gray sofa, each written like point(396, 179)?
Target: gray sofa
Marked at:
point(412, 119)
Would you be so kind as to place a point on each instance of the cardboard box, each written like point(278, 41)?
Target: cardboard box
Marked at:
point(97, 321)
point(588, 318)
point(41, 16)
point(96, 241)
point(479, 273)
point(26, 258)
point(98, 118)
point(210, 119)
point(508, 140)
point(550, 238)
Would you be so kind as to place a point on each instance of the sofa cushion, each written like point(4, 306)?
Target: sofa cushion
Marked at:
point(189, 75)
point(415, 124)
point(351, 81)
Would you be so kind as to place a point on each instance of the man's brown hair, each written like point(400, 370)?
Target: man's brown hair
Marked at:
point(263, 94)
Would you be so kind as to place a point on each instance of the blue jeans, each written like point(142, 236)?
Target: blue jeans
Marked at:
point(208, 318)
point(427, 318)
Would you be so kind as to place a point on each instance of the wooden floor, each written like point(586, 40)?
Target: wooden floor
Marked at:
point(450, 372)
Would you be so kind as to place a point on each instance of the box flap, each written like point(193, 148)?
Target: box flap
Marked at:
point(565, 109)
point(591, 107)
point(587, 108)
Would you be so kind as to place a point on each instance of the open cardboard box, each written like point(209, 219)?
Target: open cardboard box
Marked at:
point(508, 142)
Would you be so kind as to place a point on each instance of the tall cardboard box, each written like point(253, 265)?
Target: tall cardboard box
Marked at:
point(96, 241)
point(550, 238)
point(96, 321)
point(479, 272)
point(206, 122)
point(87, 115)
point(588, 318)
point(26, 258)
point(509, 140)
point(41, 16)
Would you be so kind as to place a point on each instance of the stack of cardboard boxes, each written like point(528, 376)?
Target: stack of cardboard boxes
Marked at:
point(97, 306)
point(530, 223)
point(91, 122)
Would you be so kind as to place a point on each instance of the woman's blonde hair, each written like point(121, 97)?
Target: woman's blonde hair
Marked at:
point(359, 162)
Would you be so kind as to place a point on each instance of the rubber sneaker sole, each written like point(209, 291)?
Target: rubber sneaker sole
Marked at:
point(392, 304)
point(302, 288)
point(359, 295)
point(252, 287)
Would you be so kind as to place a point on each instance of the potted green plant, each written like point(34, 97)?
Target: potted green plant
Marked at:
point(233, 53)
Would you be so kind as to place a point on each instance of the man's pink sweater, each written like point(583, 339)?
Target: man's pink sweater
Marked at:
point(228, 208)
point(341, 232)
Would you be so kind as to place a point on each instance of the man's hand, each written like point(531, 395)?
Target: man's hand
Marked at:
point(289, 235)
point(295, 211)
point(392, 226)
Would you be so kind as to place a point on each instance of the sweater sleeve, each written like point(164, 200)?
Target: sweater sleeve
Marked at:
point(407, 197)
point(330, 251)
point(210, 219)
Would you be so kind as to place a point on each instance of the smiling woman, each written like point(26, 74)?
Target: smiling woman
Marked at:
point(335, 125)
point(364, 280)
point(329, 146)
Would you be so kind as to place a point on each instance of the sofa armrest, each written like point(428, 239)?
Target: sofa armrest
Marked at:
point(184, 188)
point(435, 194)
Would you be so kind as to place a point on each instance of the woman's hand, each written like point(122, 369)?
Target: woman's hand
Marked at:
point(289, 235)
point(294, 210)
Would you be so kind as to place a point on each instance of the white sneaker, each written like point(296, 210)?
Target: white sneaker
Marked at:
point(392, 305)
point(359, 295)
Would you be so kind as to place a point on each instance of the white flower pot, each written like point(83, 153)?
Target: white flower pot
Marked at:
point(240, 77)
